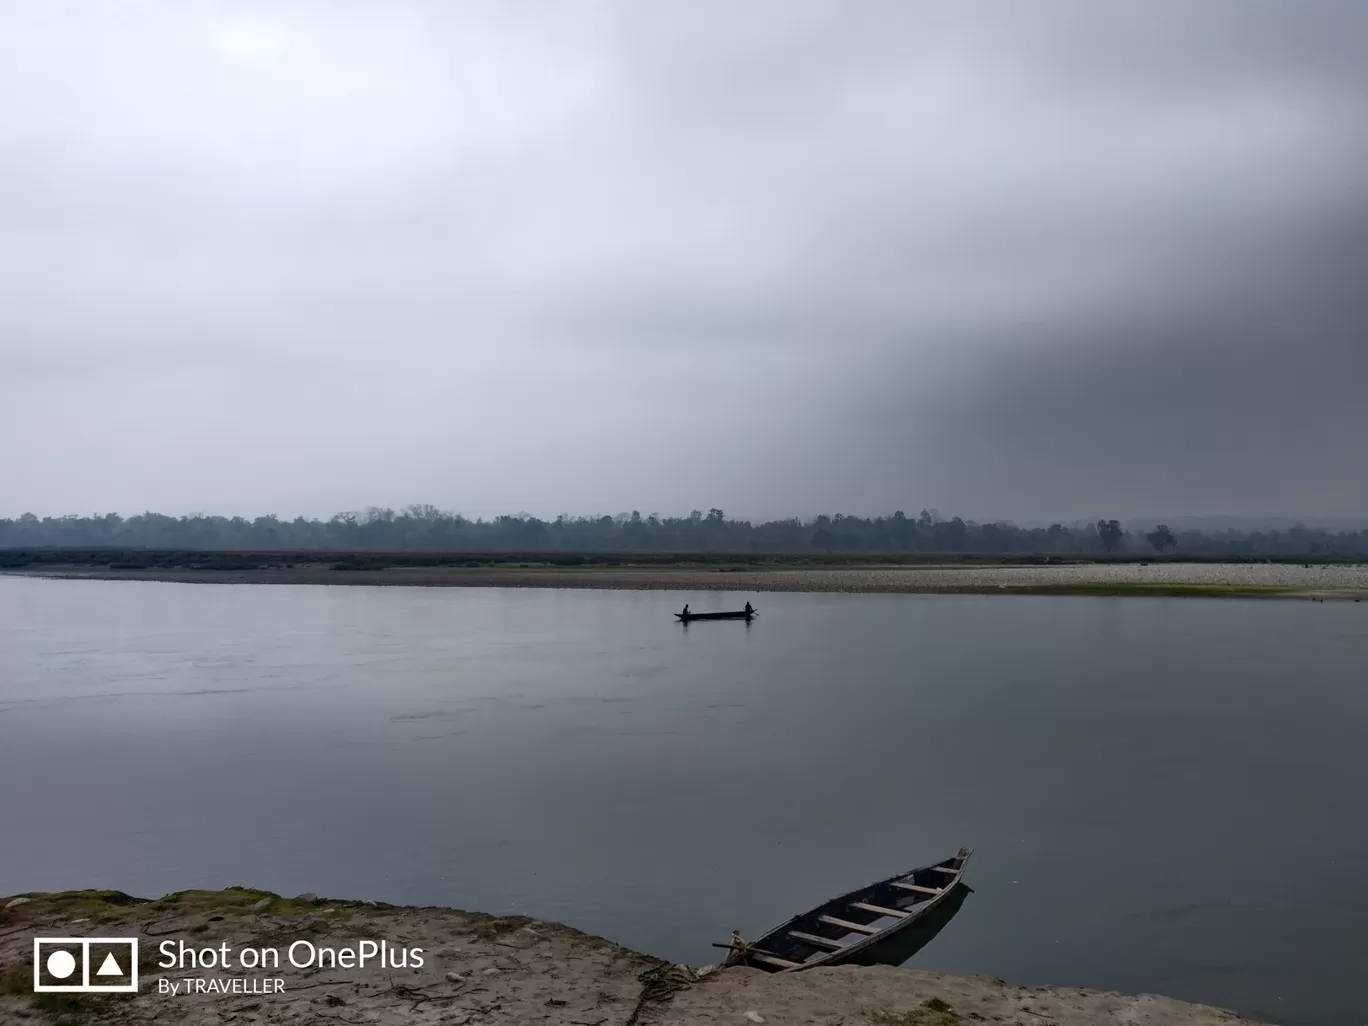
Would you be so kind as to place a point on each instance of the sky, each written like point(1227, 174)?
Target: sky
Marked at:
point(1009, 261)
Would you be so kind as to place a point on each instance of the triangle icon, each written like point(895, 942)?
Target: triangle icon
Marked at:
point(109, 967)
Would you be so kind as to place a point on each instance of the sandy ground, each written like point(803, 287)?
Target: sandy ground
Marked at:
point(492, 972)
point(1236, 579)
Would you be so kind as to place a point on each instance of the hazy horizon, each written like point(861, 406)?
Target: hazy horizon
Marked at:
point(1128, 522)
point(1035, 262)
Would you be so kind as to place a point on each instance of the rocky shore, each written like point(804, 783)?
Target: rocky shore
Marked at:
point(1230, 580)
point(461, 968)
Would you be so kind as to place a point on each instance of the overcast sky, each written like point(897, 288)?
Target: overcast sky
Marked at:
point(784, 257)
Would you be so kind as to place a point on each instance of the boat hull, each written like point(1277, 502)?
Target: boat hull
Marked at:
point(736, 615)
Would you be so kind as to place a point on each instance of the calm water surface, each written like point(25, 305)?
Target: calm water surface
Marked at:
point(1164, 795)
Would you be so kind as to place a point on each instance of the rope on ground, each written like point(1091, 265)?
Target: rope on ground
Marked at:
point(659, 983)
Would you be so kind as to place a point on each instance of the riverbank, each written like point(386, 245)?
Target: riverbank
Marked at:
point(1215, 580)
point(478, 969)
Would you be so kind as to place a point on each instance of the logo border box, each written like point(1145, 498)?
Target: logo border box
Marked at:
point(85, 986)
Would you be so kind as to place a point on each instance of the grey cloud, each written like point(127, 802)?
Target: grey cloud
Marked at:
point(1253, 401)
point(499, 256)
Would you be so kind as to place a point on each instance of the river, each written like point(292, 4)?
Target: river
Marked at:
point(1164, 795)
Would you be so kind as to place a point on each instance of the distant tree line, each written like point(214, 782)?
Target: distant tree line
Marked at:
point(425, 528)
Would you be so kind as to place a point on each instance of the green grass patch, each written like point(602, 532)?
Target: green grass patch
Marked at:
point(489, 928)
point(1140, 588)
point(133, 559)
point(100, 906)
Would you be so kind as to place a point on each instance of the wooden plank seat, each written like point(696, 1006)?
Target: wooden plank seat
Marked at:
point(816, 941)
point(864, 906)
point(782, 963)
point(846, 924)
point(918, 888)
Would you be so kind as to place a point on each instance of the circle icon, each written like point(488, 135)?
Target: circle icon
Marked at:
point(61, 964)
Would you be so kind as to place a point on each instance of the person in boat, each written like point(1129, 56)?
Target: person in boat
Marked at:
point(686, 609)
point(749, 610)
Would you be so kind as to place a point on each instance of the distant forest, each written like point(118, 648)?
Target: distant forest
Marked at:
point(424, 528)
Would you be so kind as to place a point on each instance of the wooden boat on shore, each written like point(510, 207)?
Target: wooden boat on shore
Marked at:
point(736, 614)
point(850, 928)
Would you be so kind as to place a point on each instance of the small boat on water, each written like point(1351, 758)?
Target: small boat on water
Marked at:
point(851, 928)
point(736, 614)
